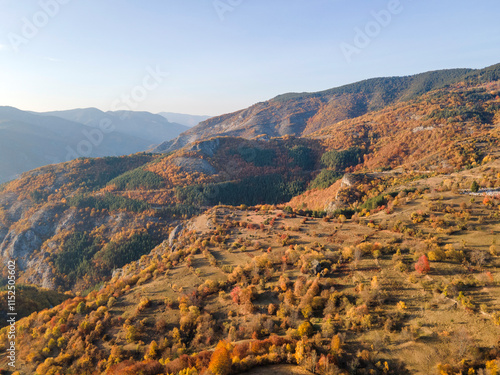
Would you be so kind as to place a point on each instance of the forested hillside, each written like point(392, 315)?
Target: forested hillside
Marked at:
point(300, 114)
point(367, 245)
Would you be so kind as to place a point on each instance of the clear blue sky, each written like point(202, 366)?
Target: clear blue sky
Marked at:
point(92, 52)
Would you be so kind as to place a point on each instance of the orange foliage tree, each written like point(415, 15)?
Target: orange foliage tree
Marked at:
point(220, 363)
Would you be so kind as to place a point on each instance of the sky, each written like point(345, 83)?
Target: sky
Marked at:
point(209, 57)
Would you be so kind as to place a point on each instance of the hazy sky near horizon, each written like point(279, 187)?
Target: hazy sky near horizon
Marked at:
point(217, 56)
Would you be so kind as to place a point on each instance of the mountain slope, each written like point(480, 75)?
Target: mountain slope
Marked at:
point(394, 272)
point(29, 140)
point(397, 289)
point(441, 131)
point(142, 125)
point(301, 114)
point(83, 217)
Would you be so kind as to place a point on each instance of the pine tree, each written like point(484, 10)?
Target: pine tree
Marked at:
point(474, 187)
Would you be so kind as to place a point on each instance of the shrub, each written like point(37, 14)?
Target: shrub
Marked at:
point(143, 304)
point(436, 255)
point(307, 311)
point(111, 302)
point(235, 295)
point(402, 305)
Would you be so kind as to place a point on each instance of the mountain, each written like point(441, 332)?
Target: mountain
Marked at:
point(183, 119)
point(301, 114)
point(365, 246)
point(441, 131)
point(142, 125)
point(29, 140)
point(72, 225)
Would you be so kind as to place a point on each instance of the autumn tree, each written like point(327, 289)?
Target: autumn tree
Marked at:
point(220, 362)
point(152, 352)
point(336, 345)
point(305, 329)
point(235, 295)
point(479, 258)
point(80, 309)
point(422, 266)
point(131, 334)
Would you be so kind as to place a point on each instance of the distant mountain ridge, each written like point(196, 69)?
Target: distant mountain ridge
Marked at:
point(143, 125)
point(300, 114)
point(30, 140)
point(184, 119)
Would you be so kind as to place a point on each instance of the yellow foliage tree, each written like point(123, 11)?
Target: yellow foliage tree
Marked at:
point(299, 352)
point(492, 367)
point(336, 345)
point(306, 329)
point(152, 351)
